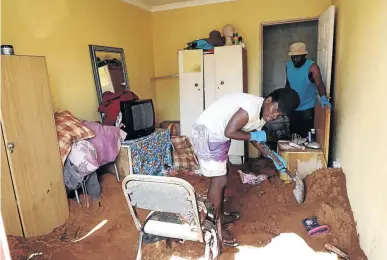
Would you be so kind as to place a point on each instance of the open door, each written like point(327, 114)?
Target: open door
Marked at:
point(326, 26)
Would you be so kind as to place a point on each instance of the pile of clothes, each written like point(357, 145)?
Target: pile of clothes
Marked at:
point(84, 147)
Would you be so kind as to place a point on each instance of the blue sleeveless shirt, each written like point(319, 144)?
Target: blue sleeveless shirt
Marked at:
point(299, 81)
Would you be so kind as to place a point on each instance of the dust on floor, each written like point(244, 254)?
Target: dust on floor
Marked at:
point(267, 210)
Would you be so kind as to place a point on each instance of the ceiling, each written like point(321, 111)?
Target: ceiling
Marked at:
point(163, 5)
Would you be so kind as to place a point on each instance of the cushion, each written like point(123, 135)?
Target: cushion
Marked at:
point(69, 129)
point(184, 157)
point(83, 156)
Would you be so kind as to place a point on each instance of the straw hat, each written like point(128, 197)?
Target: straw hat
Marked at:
point(298, 48)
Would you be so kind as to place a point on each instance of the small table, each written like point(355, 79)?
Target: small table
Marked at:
point(304, 162)
point(148, 155)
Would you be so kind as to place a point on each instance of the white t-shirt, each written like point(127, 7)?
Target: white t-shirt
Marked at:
point(216, 117)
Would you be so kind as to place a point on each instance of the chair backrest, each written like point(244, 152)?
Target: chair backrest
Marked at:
point(158, 193)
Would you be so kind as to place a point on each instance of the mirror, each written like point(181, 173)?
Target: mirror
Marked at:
point(109, 69)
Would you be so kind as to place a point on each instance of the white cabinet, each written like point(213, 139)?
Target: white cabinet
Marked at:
point(204, 78)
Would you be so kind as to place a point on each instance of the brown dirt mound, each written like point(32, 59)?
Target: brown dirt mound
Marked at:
point(267, 210)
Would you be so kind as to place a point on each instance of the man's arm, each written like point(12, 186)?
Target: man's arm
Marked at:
point(261, 147)
point(316, 75)
point(287, 85)
point(234, 127)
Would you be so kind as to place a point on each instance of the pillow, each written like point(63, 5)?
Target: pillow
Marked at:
point(83, 156)
point(68, 130)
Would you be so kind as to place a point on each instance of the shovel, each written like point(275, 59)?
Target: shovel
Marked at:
point(299, 188)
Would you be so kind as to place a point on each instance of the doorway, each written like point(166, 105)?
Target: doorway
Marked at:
point(276, 40)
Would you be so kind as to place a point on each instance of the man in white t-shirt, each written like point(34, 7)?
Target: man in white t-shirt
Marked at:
point(237, 116)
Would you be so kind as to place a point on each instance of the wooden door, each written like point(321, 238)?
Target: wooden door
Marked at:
point(191, 89)
point(326, 26)
point(229, 74)
point(9, 209)
point(28, 123)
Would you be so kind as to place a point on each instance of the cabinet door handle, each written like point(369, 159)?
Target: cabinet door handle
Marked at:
point(222, 82)
point(11, 147)
point(196, 84)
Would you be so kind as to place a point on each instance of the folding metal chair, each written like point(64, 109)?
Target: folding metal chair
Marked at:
point(176, 197)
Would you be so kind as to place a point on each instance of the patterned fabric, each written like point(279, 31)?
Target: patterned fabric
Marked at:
point(69, 129)
point(208, 148)
point(183, 154)
point(83, 156)
point(151, 155)
point(211, 152)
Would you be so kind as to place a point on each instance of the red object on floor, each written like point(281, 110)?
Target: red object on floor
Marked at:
point(110, 104)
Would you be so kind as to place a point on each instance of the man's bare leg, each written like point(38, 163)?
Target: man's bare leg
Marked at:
point(216, 196)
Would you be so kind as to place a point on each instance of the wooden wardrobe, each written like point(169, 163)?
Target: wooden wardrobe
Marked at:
point(33, 197)
point(204, 78)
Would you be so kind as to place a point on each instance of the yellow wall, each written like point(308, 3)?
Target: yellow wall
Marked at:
point(61, 30)
point(360, 116)
point(173, 29)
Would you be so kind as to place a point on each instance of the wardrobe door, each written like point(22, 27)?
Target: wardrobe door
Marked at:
point(32, 145)
point(209, 80)
point(9, 209)
point(229, 73)
point(229, 70)
point(191, 89)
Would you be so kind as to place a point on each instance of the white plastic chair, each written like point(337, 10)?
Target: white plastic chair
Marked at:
point(170, 195)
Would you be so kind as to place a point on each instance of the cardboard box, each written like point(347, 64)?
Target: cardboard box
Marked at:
point(303, 162)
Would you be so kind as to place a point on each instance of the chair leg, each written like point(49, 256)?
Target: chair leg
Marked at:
point(140, 238)
point(116, 172)
point(77, 196)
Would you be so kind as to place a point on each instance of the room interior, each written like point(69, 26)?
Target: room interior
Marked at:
point(151, 33)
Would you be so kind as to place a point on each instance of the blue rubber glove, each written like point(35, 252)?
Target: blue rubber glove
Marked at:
point(279, 167)
point(325, 102)
point(258, 136)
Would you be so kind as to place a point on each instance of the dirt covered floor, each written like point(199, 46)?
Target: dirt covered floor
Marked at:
point(267, 209)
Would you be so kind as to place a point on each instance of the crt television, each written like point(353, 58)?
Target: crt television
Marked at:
point(138, 118)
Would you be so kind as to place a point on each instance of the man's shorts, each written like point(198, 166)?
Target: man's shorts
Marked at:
point(211, 152)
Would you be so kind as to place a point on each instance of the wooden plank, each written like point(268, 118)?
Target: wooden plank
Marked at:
point(322, 124)
point(8, 202)
point(35, 164)
point(170, 76)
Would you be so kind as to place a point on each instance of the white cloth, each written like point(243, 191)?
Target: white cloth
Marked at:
point(217, 116)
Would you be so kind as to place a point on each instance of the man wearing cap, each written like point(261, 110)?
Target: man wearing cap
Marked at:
point(303, 75)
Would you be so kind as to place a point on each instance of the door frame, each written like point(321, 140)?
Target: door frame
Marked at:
point(277, 22)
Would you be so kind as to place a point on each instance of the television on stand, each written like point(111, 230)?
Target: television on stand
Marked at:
point(138, 118)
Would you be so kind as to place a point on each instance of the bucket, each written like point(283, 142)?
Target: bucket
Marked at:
point(7, 50)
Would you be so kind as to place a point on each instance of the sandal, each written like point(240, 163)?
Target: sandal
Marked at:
point(235, 217)
point(231, 241)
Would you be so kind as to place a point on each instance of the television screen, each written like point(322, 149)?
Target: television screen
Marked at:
point(142, 116)
point(138, 118)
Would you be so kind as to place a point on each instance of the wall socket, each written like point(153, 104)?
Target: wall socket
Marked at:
point(336, 164)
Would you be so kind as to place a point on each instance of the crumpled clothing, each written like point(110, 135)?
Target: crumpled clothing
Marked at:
point(110, 104)
point(73, 180)
point(250, 178)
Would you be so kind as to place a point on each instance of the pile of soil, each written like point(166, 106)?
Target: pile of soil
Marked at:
point(267, 209)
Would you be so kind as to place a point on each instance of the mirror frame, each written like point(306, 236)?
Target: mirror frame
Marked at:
point(93, 49)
